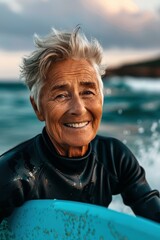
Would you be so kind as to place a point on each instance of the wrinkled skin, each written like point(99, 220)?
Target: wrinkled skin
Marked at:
point(70, 103)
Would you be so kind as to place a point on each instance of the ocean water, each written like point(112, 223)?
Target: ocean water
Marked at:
point(131, 113)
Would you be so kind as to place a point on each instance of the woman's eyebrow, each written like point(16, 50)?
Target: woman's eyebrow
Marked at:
point(88, 84)
point(64, 86)
point(59, 86)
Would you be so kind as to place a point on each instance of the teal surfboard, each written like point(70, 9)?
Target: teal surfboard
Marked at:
point(67, 220)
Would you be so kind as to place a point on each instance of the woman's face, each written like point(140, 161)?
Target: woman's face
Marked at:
point(71, 104)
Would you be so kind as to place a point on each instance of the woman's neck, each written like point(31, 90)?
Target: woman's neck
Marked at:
point(69, 151)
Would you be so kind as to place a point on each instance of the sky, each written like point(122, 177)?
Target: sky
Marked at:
point(128, 30)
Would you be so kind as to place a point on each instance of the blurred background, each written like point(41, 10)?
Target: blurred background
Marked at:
point(129, 33)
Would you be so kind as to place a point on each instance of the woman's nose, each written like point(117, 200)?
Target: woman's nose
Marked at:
point(77, 106)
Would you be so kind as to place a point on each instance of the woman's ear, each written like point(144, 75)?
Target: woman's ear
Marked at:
point(37, 111)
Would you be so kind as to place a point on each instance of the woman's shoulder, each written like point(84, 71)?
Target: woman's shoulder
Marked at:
point(111, 151)
point(22, 151)
point(108, 141)
point(17, 162)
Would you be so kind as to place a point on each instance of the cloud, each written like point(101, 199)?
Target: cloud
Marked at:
point(114, 23)
point(116, 6)
point(9, 65)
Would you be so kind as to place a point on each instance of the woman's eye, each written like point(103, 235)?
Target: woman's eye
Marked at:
point(62, 96)
point(88, 93)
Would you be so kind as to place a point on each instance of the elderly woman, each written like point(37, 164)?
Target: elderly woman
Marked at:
point(68, 160)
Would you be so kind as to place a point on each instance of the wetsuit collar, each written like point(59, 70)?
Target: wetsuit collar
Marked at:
point(61, 160)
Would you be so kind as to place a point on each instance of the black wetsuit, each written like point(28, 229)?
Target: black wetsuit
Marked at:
point(33, 170)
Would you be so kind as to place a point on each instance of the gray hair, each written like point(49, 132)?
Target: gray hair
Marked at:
point(58, 46)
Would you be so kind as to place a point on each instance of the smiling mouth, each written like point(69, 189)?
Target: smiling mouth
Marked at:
point(77, 125)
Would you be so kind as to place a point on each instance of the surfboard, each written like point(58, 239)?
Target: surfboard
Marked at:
point(67, 220)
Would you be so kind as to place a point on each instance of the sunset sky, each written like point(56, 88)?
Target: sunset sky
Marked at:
point(127, 29)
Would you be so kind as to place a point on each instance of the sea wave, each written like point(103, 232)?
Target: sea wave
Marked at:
point(145, 85)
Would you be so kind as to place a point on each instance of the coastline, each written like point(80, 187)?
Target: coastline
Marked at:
point(149, 68)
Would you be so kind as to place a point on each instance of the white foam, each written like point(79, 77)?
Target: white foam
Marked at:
point(149, 157)
point(147, 85)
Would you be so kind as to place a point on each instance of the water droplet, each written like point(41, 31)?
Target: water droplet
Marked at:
point(124, 141)
point(141, 130)
point(126, 132)
point(108, 91)
point(120, 111)
point(154, 126)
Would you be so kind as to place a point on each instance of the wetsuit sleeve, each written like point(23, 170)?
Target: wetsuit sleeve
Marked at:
point(14, 188)
point(11, 195)
point(135, 189)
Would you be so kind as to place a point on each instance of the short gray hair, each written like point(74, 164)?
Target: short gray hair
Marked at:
point(58, 46)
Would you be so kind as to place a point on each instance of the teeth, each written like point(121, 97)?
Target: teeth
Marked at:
point(76, 125)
